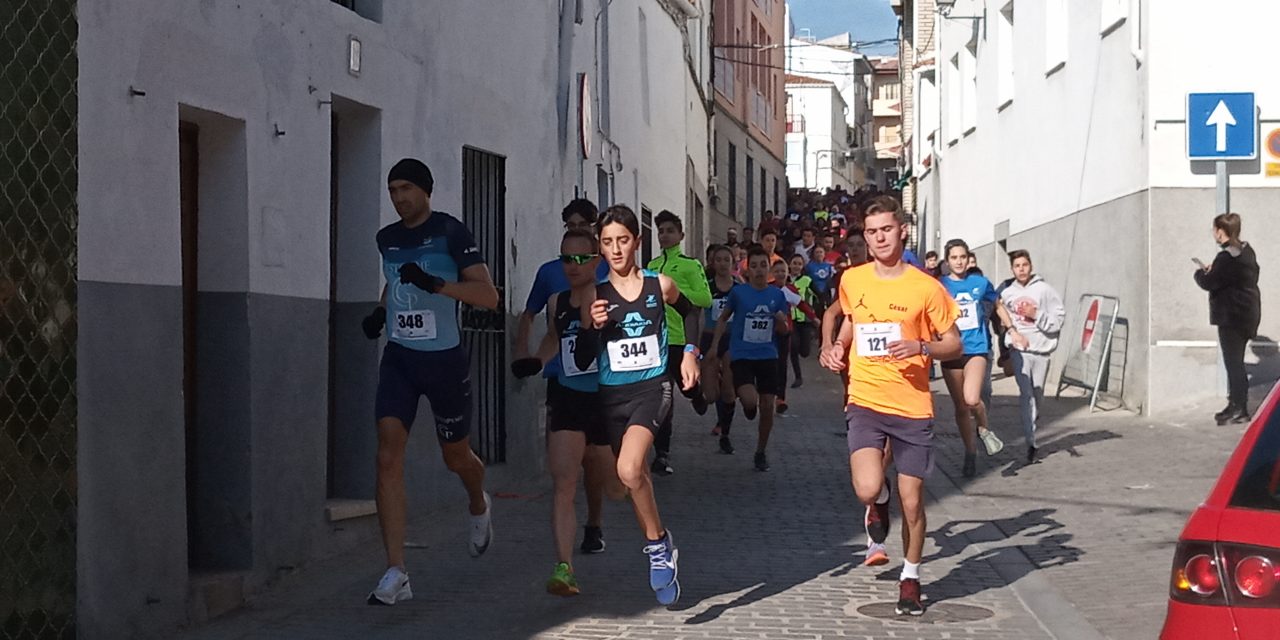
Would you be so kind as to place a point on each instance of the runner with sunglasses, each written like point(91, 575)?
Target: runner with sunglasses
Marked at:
point(625, 333)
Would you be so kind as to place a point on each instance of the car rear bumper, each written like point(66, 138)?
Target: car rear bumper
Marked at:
point(1197, 622)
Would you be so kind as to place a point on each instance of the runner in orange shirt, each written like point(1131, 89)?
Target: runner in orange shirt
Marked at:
point(898, 319)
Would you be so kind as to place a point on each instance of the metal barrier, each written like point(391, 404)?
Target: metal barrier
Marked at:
point(484, 211)
point(1087, 359)
point(38, 72)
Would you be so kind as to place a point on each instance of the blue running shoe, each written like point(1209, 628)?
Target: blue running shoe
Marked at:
point(663, 572)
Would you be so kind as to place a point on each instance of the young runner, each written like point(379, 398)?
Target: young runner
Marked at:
point(899, 319)
point(717, 380)
point(758, 312)
point(780, 277)
point(975, 296)
point(626, 334)
point(1032, 312)
point(820, 272)
point(573, 415)
point(802, 335)
point(691, 279)
point(550, 280)
point(430, 262)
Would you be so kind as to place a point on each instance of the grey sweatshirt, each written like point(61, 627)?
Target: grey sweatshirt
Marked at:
point(1041, 333)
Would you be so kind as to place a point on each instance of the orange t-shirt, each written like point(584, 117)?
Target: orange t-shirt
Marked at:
point(913, 306)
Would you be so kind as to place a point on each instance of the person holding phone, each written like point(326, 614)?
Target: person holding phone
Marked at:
point(1235, 308)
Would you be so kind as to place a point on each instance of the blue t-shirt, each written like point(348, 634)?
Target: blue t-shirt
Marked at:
point(442, 246)
point(909, 257)
point(549, 281)
point(820, 272)
point(975, 296)
point(751, 327)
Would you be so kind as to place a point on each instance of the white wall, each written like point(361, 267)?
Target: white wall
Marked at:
point(822, 165)
point(1070, 140)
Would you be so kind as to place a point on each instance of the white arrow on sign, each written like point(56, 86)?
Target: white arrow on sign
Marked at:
point(1221, 118)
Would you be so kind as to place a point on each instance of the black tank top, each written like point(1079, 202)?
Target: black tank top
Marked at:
point(635, 338)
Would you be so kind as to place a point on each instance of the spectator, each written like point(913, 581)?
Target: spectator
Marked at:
point(732, 235)
point(932, 265)
point(1235, 308)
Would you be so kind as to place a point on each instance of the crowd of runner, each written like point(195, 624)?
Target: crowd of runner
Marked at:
point(622, 338)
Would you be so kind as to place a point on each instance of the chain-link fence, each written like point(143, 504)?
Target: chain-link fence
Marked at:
point(38, 69)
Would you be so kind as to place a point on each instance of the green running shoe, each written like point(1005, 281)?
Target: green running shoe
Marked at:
point(562, 582)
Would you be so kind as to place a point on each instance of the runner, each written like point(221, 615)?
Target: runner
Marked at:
point(1032, 312)
point(430, 262)
point(802, 335)
point(573, 415)
point(550, 280)
point(758, 312)
point(717, 380)
point(691, 279)
point(899, 319)
point(779, 276)
point(769, 241)
point(626, 331)
point(820, 272)
point(964, 376)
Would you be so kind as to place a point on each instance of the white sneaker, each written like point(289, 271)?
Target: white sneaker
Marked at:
point(991, 441)
point(392, 588)
point(481, 530)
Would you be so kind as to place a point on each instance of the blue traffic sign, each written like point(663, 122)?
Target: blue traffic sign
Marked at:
point(1222, 126)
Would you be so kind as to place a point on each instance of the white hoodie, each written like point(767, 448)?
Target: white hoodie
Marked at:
point(1042, 332)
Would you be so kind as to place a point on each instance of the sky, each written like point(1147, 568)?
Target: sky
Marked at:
point(866, 19)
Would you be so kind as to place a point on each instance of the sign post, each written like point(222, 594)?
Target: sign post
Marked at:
point(1222, 127)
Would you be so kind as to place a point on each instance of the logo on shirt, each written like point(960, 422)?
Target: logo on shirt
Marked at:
point(610, 308)
point(652, 301)
point(634, 324)
point(860, 304)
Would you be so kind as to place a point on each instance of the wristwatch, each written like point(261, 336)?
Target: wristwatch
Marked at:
point(924, 348)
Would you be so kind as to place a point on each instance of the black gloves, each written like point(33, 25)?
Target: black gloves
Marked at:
point(372, 324)
point(525, 367)
point(411, 273)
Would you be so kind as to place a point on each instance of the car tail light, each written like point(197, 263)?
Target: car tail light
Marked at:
point(1256, 577)
point(1226, 574)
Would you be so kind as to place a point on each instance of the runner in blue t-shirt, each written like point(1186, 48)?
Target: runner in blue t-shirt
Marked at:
point(431, 263)
point(550, 281)
point(965, 375)
point(754, 313)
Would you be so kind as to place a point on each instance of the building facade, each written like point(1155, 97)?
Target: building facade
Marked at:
point(232, 167)
point(836, 61)
point(1062, 128)
point(887, 121)
point(820, 155)
point(749, 112)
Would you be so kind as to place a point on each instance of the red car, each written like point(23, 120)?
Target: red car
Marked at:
point(1225, 581)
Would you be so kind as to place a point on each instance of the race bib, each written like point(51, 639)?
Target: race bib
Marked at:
point(757, 330)
point(634, 354)
point(415, 325)
point(568, 345)
point(718, 306)
point(968, 319)
point(873, 338)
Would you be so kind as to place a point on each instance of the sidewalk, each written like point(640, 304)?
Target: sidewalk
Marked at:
point(1077, 546)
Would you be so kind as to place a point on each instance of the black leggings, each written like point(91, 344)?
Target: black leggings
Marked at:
point(801, 345)
point(1234, 342)
point(784, 351)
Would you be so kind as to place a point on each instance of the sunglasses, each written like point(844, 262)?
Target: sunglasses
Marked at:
point(577, 258)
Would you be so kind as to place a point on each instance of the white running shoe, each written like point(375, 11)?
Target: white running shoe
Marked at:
point(392, 588)
point(481, 530)
point(991, 441)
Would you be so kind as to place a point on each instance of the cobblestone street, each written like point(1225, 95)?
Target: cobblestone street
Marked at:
point(1075, 546)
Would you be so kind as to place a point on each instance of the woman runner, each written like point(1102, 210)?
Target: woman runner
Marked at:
point(717, 380)
point(626, 336)
point(964, 376)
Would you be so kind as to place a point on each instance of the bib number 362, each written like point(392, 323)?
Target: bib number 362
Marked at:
point(873, 338)
point(634, 354)
point(415, 325)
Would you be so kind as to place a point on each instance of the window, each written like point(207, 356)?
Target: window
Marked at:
point(367, 9)
point(1004, 50)
point(764, 191)
point(732, 170)
point(969, 93)
point(644, 66)
point(1056, 30)
point(751, 192)
point(1114, 13)
point(1259, 484)
point(777, 197)
point(952, 86)
point(646, 235)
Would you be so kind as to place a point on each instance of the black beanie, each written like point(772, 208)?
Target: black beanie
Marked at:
point(412, 170)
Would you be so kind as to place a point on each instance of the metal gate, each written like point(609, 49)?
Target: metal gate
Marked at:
point(484, 211)
point(38, 71)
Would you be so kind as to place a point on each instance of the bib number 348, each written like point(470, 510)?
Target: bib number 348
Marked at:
point(415, 324)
